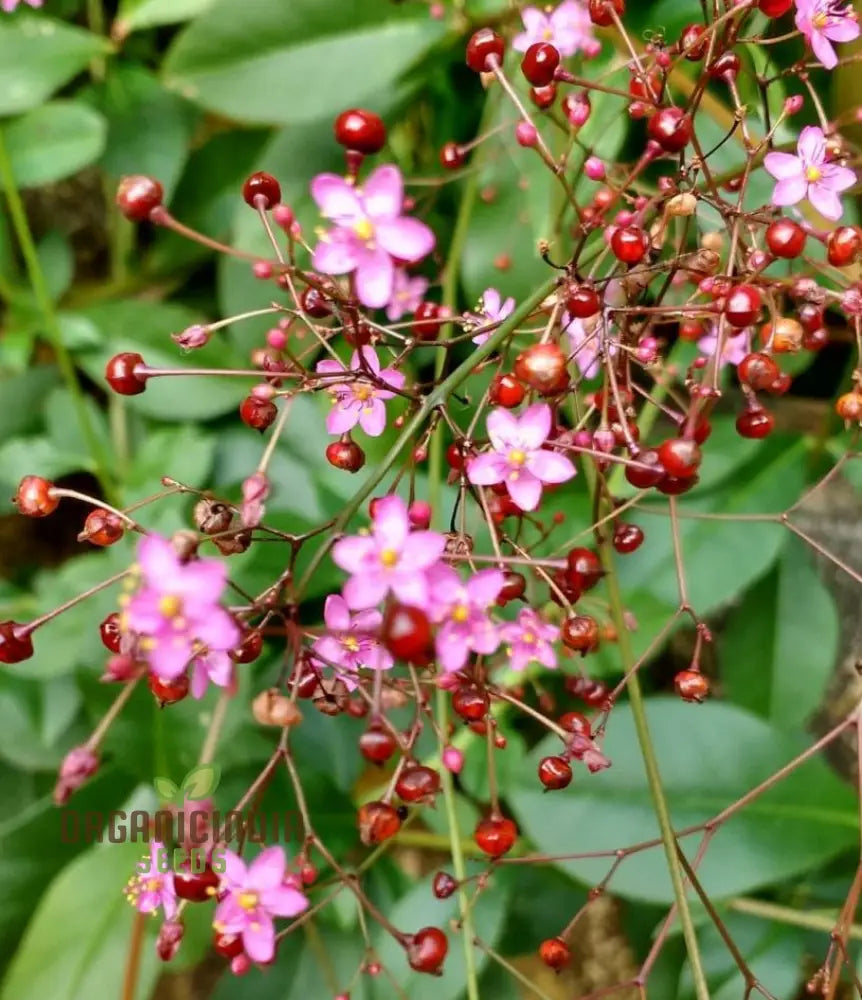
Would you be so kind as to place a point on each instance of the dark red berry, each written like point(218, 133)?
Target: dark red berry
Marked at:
point(406, 633)
point(680, 457)
point(506, 390)
point(647, 472)
point(261, 189)
point(345, 455)
point(627, 538)
point(484, 49)
point(455, 457)
point(196, 887)
point(843, 246)
point(426, 321)
point(577, 724)
point(591, 691)
point(539, 63)
point(543, 367)
point(452, 157)
point(785, 238)
point(137, 196)
point(360, 130)
point(758, 371)
point(602, 11)
point(543, 97)
point(555, 773)
point(249, 648)
point(774, 8)
point(426, 950)
point(513, 589)
point(726, 67)
point(444, 885)
point(16, 643)
point(849, 406)
point(674, 486)
point(314, 303)
point(755, 423)
point(377, 744)
point(124, 374)
point(470, 703)
point(109, 631)
point(378, 821)
point(690, 42)
point(35, 497)
point(629, 244)
point(580, 633)
point(742, 306)
point(168, 692)
point(582, 301)
point(691, 685)
point(583, 568)
point(554, 952)
point(418, 784)
point(102, 527)
point(671, 128)
point(257, 413)
point(228, 945)
point(495, 836)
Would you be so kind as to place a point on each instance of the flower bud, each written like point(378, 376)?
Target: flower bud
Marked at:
point(169, 939)
point(682, 205)
point(272, 708)
point(192, 337)
point(78, 765)
point(453, 759)
point(255, 490)
point(211, 516)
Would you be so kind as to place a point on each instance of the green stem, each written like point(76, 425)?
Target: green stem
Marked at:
point(457, 852)
point(52, 326)
point(96, 21)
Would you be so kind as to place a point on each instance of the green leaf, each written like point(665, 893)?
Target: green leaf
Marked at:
point(709, 756)
point(53, 141)
point(76, 946)
point(201, 781)
point(236, 65)
point(137, 14)
point(166, 789)
point(775, 660)
point(38, 55)
point(23, 455)
point(18, 415)
point(58, 264)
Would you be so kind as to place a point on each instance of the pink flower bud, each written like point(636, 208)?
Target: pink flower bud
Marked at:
point(583, 439)
point(119, 668)
point(78, 765)
point(283, 216)
point(604, 440)
point(419, 514)
point(262, 269)
point(240, 964)
point(437, 11)
point(453, 760)
point(647, 350)
point(192, 337)
point(526, 134)
point(594, 168)
point(851, 301)
point(169, 939)
point(448, 682)
point(276, 339)
point(263, 390)
point(592, 47)
point(793, 104)
point(578, 109)
point(255, 490)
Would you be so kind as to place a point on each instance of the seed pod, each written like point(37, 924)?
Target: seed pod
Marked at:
point(211, 516)
point(272, 708)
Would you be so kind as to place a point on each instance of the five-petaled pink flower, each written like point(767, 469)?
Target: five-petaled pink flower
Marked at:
point(370, 233)
point(254, 894)
point(150, 887)
point(568, 29)
point(10, 5)
point(177, 615)
point(490, 311)
point(351, 643)
point(809, 175)
point(462, 610)
point(407, 294)
point(733, 350)
point(392, 558)
point(529, 638)
point(359, 401)
point(518, 458)
point(826, 21)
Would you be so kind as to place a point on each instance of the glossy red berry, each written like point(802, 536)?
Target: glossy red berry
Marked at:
point(406, 633)
point(576, 723)
point(35, 497)
point(692, 42)
point(742, 306)
point(514, 588)
point(629, 244)
point(124, 374)
point(680, 457)
point(314, 303)
point(849, 407)
point(555, 953)
point(755, 423)
point(228, 945)
point(360, 130)
point(539, 63)
point(506, 390)
point(102, 527)
point(345, 455)
point(627, 538)
point(543, 367)
point(785, 238)
point(109, 632)
point(16, 643)
point(543, 97)
point(671, 128)
point(843, 246)
point(580, 633)
point(484, 49)
point(196, 887)
point(555, 773)
point(378, 821)
point(377, 744)
point(418, 784)
point(470, 703)
point(647, 472)
point(758, 371)
point(444, 885)
point(168, 692)
point(583, 568)
point(602, 11)
point(427, 321)
point(774, 8)
point(495, 836)
point(257, 413)
point(452, 156)
point(591, 691)
point(261, 189)
point(691, 685)
point(582, 301)
point(725, 67)
point(249, 648)
point(137, 196)
point(426, 950)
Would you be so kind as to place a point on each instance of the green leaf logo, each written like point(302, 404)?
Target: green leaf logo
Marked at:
point(199, 783)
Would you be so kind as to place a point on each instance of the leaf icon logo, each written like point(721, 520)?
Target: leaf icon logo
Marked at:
point(200, 782)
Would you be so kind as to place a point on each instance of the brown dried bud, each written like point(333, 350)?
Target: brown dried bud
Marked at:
point(272, 708)
point(234, 544)
point(712, 241)
point(185, 543)
point(331, 696)
point(211, 516)
point(458, 544)
point(701, 263)
point(392, 698)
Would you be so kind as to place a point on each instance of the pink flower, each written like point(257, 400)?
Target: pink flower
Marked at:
point(255, 489)
point(78, 765)
point(529, 638)
point(149, 888)
point(463, 611)
point(254, 895)
point(359, 401)
point(568, 28)
point(177, 615)
point(491, 310)
point(351, 643)
point(823, 22)
point(407, 294)
point(734, 350)
point(391, 558)
point(808, 175)
point(10, 5)
point(370, 232)
point(585, 346)
point(518, 458)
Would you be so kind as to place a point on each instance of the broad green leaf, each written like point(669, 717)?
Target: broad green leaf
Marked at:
point(77, 944)
point(21, 456)
point(184, 452)
point(53, 141)
point(18, 415)
point(240, 66)
point(709, 756)
point(58, 263)
point(38, 55)
point(166, 789)
point(201, 781)
point(775, 660)
point(137, 14)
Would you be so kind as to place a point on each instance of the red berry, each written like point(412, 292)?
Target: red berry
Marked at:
point(228, 945)
point(646, 87)
point(627, 538)
point(629, 244)
point(444, 885)
point(688, 42)
point(506, 390)
point(495, 836)
point(583, 568)
point(426, 950)
point(515, 587)
point(543, 97)
point(648, 471)
point(168, 692)
point(726, 67)
point(555, 953)
point(671, 128)
point(600, 11)
point(102, 527)
point(576, 723)
point(426, 321)
point(555, 773)
point(843, 246)
point(124, 375)
point(785, 238)
point(849, 406)
point(377, 744)
point(109, 631)
point(418, 784)
point(742, 306)
point(592, 692)
point(35, 497)
point(378, 821)
point(137, 196)
point(257, 413)
point(691, 685)
point(261, 189)
point(539, 63)
point(674, 486)
point(580, 634)
point(249, 648)
point(196, 887)
point(755, 423)
point(15, 642)
point(406, 633)
point(543, 367)
point(314, 303)
point(484, 49)
point(345, 455)
point(757, 371)
point(360, 130)
point(470, 703)
point(452, 157)
point(774, 8)
point(582, 301)
point(680, 457)
point(455, 457)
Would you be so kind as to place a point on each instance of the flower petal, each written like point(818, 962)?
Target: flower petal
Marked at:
point(336, 613)
point(783, 165)
point(845, 29)
point(258, 939)
point(503, 429)
point(372, 417)
point(284, 901)
point(790, 191)
point(534, 425)
point(335, 198)
point(406, 239)
point(411, 589)
point(354, 553)
point(826, 202)
point(391, 524)
point(822, 48)
point(365, 590)
point(550, 467)
point(337, 252)
point(267, 869)
point(374, 271)
point(341, 418)
point(383, 193)
point(422, 549)
point(525, 490)
point(487, 469)
point(158, 560)
point(812, 145)
point(484, 586)
point(837, 178)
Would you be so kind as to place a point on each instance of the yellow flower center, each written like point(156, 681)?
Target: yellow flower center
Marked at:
point(364, 229)
point(247, 900)
point(548, 34)
point(389, 558)
point(350, 643)
point(517, 457)
point(820, 20)
point(813, 174)
point(460, 613)
point(154, 884)
point(363, 392)
point(170, 605)
point(528, 637)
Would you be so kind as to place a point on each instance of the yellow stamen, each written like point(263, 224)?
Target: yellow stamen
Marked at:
point(528, 637)
point(350, 643)
point(170, 605)
point(389, 558)
point(363, 392)
point(517, 457)
point(813, 174)
point(364, 229)
point(820, 21)
point(460, 613)
point(247, 900)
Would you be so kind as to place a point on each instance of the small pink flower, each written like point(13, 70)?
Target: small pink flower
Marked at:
point(370, 233)
point(823, 22)
point(407, 294)
point(490, 310)
point(568, 28)
point(359, 401)
point(10, 5)
point(453, 760)
point(351, 643)
point(149, 888)
point(391, 558)
point(734, 350)
point(529, 638)
point(808, 175)
point(253, 895)
point(462, 611)
point(518, 458)
point(193, 337)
